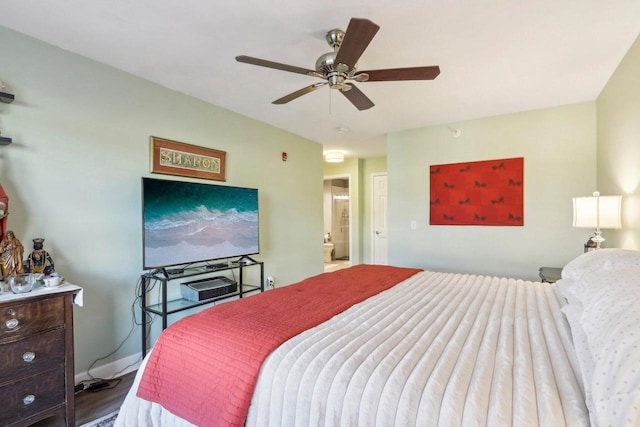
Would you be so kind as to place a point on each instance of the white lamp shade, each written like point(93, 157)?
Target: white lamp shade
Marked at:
point(597, 212)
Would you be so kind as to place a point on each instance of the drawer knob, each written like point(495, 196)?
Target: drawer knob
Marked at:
point(28, 399)
point(12, 323)
point(29, 356)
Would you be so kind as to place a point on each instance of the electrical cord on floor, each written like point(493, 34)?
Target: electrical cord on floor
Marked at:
point(98, 384)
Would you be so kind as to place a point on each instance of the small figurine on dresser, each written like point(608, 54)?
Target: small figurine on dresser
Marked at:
point(39, 261)
point(11, 253)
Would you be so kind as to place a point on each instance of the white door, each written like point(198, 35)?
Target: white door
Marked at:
point(379, 239)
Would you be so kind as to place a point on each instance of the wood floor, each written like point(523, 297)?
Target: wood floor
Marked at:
point(336, 265)
point(93, 405)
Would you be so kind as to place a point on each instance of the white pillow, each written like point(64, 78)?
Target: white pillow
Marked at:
point(609, 297)
point(611, 321)
point(598, 260)
point(565, 289)
point(573, 313)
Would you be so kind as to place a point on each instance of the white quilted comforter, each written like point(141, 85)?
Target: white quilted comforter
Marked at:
point(436, 350)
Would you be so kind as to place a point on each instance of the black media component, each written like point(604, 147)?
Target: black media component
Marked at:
point(185, 223)
point(204, 289)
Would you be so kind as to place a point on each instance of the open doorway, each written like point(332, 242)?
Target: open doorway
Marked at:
point(337, 223)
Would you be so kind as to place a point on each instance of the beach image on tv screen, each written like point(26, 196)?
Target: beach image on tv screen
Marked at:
point(191, 222)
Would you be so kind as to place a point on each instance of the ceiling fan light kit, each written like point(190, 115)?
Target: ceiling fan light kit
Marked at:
point(339, 67)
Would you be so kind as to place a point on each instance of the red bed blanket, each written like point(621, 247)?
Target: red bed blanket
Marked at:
point(204, 367)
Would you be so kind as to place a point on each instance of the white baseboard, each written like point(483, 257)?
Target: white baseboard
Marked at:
point(120, 367)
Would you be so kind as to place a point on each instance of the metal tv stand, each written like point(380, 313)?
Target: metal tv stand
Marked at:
point(164, 276)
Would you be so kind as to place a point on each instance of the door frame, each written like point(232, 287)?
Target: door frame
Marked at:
point(351, 231)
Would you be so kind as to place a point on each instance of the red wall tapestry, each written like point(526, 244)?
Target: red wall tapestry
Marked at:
point(477, 193)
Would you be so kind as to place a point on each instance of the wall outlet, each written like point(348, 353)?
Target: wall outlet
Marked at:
point(271, 282)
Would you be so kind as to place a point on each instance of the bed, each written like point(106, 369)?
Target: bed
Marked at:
point(407, 347)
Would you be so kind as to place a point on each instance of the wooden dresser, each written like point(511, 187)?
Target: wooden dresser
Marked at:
point(36, 356)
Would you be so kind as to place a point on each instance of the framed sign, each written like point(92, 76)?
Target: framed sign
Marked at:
point(477, 193)
point(177, 158)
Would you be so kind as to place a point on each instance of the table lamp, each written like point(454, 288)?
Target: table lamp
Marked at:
point(597, 212)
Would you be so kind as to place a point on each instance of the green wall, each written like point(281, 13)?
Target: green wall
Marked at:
point(559, 150)
point(619, 147)
point(81, 144)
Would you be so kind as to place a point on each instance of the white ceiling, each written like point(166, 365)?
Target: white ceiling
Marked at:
point(495, 56)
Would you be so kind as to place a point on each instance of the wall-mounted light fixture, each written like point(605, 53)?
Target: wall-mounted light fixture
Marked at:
point(334, 156)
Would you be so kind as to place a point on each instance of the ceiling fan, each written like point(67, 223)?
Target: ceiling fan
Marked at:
point(339, 67)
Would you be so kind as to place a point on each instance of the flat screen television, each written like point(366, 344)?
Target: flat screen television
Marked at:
point(188, 222)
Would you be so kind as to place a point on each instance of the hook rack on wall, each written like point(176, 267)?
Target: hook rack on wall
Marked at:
point(6, 98)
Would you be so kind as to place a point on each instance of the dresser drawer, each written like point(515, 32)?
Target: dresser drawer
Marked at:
point(30, 396)
point(32, 355)
point(28, 317)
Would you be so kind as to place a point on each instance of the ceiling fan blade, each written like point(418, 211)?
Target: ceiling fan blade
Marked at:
point(357, 98)
point(298, 93)
point(274, 65)
point(359, 34)
point(394, 74)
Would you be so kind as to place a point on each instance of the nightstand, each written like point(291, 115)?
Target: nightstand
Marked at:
point(550, 274)
point(36, 356)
